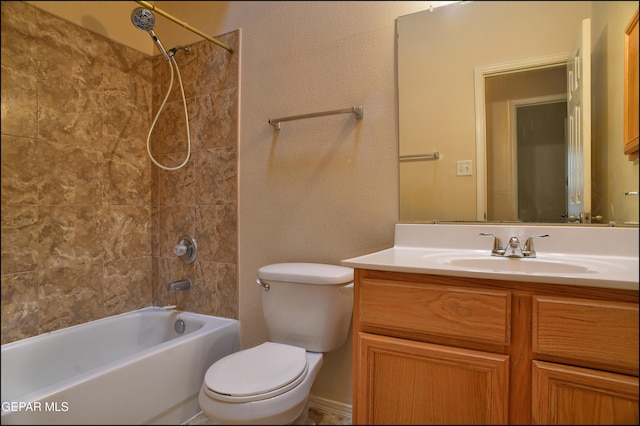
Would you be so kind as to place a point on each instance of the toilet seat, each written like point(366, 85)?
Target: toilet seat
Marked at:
point(262, 372)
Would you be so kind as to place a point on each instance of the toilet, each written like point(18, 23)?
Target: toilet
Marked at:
point(307, 309)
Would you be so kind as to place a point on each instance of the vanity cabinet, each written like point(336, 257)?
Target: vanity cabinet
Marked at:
point(580, 333)
point(434, 349)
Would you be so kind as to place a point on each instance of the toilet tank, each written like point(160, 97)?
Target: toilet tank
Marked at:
point(307, 304)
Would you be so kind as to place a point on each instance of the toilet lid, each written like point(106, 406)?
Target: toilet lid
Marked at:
point(263, 371)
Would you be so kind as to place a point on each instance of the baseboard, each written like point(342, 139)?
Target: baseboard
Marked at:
point(329, 406)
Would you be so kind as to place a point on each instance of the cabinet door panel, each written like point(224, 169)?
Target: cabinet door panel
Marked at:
point(572, 395)
point(407, 382)
point(477, 315)
point(588, 332)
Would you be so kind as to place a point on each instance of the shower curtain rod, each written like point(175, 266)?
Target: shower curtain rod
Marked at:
point(184, 24)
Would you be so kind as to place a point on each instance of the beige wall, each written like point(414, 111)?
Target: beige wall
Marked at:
point(608, 159)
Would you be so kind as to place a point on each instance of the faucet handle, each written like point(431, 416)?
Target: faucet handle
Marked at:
point(527, 249)
point(514, 242)
point(498, 249)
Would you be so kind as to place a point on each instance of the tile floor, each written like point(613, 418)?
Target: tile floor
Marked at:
point(319, 417)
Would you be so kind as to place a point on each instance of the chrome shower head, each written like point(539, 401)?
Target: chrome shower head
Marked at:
point(143, 19)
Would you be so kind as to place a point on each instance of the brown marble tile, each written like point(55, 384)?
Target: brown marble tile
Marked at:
point(70, 236)
point(209, 68)
point(174, 222)
point(215, 290)
point(214, 119)
point(19, 170)
point(216, 233)
point(127, 285)
point(169, 134)
point(70, 296)
point(69, 175)
point(176, 187)
point(18, 30)
point(128, 75)
point(216, 177)
point(169, 270)
point(125, 125)
point(227, 291)
point(19, 103)
point(20, 234)
point(66, 49)
point(127, 178)
point(127, 232)
point(70, 112)
point(20, 307)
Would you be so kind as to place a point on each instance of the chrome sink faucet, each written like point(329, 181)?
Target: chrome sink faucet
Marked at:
point(513, 249)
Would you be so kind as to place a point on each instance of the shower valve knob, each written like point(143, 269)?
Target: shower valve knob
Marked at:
point(186, 249)
point(180, 249)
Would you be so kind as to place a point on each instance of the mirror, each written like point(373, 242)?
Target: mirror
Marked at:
point(447, 175)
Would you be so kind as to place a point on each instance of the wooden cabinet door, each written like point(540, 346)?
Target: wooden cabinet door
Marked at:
point(407, 382)
point(572, 395)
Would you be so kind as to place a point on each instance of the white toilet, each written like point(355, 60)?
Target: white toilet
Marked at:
point(307, 309)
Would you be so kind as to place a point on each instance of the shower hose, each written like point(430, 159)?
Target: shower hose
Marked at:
point(172, 63)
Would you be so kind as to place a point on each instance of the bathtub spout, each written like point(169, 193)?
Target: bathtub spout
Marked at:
point(179, 285)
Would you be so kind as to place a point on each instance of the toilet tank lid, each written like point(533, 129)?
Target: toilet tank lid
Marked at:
point(307, 273)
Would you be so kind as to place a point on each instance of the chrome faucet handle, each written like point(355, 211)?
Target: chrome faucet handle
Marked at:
point(498, 249)
point(527, 249)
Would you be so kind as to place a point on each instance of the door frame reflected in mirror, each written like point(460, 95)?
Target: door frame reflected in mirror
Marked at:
point(481, 73)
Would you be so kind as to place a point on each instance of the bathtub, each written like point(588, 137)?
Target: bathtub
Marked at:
point(132, 368)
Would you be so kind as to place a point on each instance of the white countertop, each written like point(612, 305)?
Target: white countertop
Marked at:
point(602, 257)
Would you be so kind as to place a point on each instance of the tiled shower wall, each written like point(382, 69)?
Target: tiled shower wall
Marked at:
point(199, 199)
point(88, 224)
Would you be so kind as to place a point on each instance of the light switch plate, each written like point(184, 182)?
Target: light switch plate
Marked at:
point(464, 168)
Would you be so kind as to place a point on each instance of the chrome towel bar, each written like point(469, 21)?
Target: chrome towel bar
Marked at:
point(420, 157)
point(357, 110)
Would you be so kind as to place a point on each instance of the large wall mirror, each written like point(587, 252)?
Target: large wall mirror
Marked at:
point(513, 112)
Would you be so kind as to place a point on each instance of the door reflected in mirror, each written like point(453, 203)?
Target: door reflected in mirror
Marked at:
point(439, 55)
point(525, 116)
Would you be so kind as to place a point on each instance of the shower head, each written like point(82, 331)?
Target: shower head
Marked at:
point(143, 19)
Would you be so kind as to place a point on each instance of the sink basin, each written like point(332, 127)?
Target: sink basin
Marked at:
point(509, 264)
point(583, 256)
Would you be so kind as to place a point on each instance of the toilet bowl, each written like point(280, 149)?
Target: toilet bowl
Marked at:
point(307, 309)
point(277, 398)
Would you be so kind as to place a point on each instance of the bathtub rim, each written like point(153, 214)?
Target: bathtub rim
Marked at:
point(42, 393)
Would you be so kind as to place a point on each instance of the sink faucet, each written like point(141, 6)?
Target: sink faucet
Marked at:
point(513, 248)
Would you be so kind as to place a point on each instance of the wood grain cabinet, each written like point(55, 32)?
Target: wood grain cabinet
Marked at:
point(576, 333)
point(446, 350)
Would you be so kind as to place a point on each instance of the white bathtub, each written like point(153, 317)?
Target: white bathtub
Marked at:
point(132, 368)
